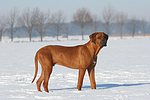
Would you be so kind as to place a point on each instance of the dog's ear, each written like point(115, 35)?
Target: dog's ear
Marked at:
point(93, 37)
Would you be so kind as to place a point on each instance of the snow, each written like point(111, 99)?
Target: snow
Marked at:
point(45, 38)
point(122, 72)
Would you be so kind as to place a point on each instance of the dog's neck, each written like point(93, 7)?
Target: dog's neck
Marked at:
point(94, 48)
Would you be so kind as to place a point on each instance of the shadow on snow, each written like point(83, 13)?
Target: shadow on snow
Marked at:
point(102, 86)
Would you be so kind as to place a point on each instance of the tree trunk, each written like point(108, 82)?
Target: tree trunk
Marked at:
point(82, 34)
point(144, 32)
point(11, 34)
point(57, 34)
point(133, 33)
point(95, 28)
point(41, 37)
point(107, 30)
point(30, 37)
point(121, 32)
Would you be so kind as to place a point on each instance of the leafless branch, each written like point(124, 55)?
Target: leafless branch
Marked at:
point(96, 22)
point(27, 20)
point(43, 21)
point(12, 21)
point(108, 15)
point(143, 22)
point(132, 25)
point(59, 19)
point(82, 18)
point(2, 25)
point(121, 18)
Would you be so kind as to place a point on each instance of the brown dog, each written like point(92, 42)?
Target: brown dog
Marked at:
point(80, 57)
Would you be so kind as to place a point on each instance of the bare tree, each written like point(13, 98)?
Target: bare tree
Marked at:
point(82, 18)
point(2, 26)
point(27, 20)
point(59, 19)
point(132, 25)
point(121, 18)
point(143, 22)
point(12, 21)
point(42, 21)
point(108, 15)
point(96, 22)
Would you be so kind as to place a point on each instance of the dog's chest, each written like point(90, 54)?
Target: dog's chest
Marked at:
point(94, 62)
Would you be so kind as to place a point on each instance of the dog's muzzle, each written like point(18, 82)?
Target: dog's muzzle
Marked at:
point(104, 43)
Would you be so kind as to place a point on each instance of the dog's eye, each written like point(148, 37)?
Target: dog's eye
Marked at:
point(99, 37)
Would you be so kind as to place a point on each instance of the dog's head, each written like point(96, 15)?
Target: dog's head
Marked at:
point(99, 38)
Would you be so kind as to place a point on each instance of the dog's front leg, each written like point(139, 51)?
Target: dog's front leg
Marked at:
point(80, 78)
point(91, 73)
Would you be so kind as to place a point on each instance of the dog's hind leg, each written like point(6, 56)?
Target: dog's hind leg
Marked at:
point(40, 80)
point(47, 73)
point(47, 66)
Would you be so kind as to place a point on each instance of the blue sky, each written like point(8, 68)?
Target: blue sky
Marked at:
point(138, 8)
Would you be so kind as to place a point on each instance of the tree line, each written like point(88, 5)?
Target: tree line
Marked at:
point(35, 20)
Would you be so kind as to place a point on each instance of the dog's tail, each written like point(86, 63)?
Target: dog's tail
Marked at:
point(36, 66)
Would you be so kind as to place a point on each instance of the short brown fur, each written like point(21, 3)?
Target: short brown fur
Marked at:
point(80, 57)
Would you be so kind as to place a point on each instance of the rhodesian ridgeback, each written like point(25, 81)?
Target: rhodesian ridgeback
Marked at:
point(80, 57)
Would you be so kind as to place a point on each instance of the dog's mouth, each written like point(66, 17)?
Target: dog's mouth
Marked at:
point(104, 43)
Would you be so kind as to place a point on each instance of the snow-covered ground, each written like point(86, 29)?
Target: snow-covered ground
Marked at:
point(122, 72)
point(45, 38)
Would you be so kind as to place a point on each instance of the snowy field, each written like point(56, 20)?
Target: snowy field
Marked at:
point(122, 72)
